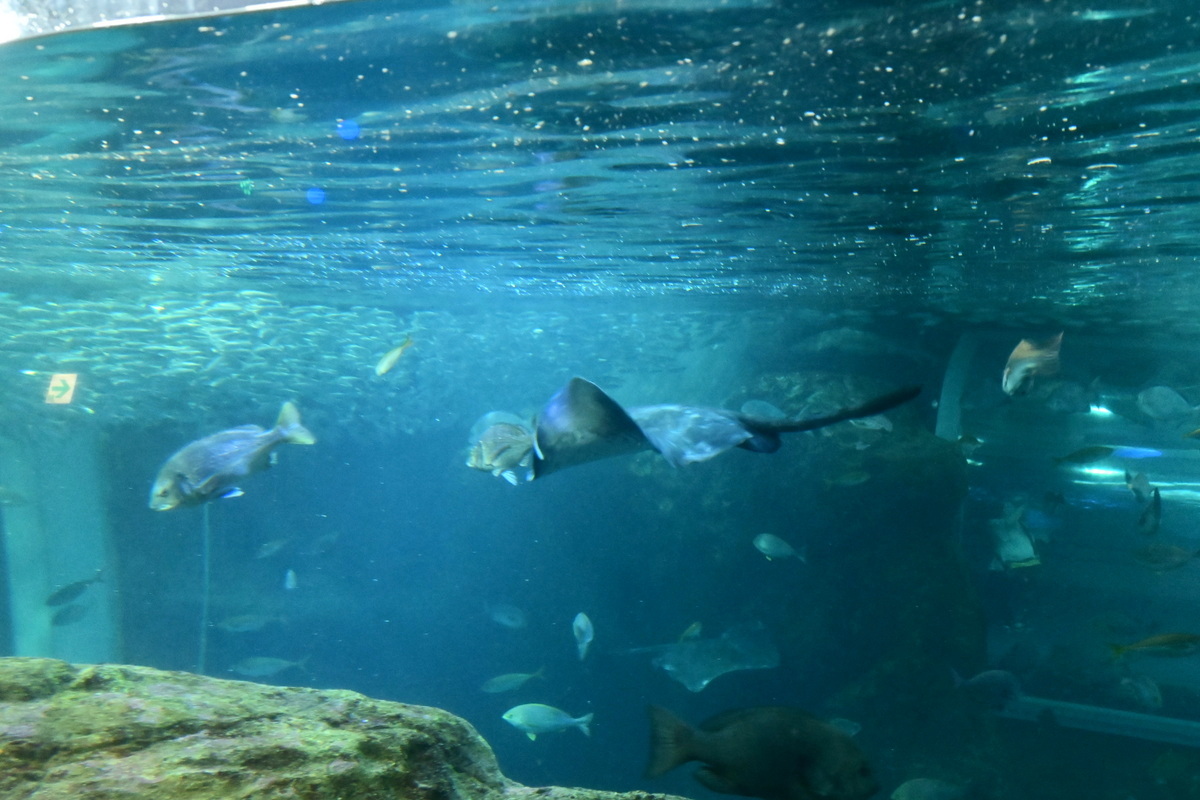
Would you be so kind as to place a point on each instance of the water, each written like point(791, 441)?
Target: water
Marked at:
point(703, 203)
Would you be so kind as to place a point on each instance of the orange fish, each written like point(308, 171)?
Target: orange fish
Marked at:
point(1028, 359)
point(392, 356)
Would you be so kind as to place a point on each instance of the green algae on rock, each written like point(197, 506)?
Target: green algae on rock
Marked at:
point(91, 732)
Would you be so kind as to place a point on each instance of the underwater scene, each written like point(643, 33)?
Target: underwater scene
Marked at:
point(789, 400)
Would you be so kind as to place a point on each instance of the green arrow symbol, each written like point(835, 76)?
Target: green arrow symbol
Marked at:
point(61, 389)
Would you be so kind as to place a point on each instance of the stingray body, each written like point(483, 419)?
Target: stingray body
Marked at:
point(581, 423)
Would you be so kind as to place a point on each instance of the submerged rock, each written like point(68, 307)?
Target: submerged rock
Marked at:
point(89, 732)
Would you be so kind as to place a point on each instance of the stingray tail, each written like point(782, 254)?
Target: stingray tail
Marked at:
point(670, 742)
point(870, 408)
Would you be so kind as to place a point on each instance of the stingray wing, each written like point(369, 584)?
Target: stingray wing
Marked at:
point(687, 434)
point(580, 423)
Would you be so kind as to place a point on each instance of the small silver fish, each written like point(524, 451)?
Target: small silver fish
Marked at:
point(584, 633)
point(773, 547)
point(536, 718)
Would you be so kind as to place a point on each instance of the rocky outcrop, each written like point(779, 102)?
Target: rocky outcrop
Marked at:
point(106, 731)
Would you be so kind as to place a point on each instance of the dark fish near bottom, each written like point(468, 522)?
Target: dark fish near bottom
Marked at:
point(774, 753)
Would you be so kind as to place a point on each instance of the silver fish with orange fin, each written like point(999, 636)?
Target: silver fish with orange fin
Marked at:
point(1028, 359)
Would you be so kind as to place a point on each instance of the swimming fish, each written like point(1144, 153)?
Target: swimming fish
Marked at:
point(510, 681)
point(1163, 644)
point(580, 424)
point(385, 364)
point(696, 662)
point(1161, 556)
point(500, 449)
point(66, 594)
point(1085, 455)
point(1027, 360)
point(773, 547)
point(584, 633)
point(1163, 404)
point(1142, 691)
point(1138, 484)
point(247, 623)
point(507, 615)
point(1151, 517)
point(774, 753)
point(1014, 546)
point(536, 718)
point(212, 466)
point(692, 631)
point(290, 581)
point(266, 666)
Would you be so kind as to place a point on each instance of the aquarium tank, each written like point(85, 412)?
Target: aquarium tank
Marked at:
point(543, 361)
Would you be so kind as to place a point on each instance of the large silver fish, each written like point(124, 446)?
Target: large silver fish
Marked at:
point(212, 467)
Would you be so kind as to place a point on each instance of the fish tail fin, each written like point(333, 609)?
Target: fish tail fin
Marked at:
point(288, 424)
point(583, 722)
point(670, 742)
point(1049, 362)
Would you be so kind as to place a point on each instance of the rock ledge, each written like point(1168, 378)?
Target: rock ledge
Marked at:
point(107, 731)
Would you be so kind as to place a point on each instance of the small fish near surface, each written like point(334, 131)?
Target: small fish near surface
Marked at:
point(1168, 645)
point(510, 681)
point(389, 359)
point(774, 753)
point(1150, 519)
point(1027, 360)
point(773, 547)
point(534, 719)
point(65, 594)
point(211, 467)
point(581, 626)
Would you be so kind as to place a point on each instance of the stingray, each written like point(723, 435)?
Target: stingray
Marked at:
point(581, 423)
point(696, 662)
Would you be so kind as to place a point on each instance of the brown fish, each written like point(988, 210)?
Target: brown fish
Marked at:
point(212, 466)
point(392, 356)
point(1028, 359)
point(1163, 644)
point(501, 449)
point(774, 753)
